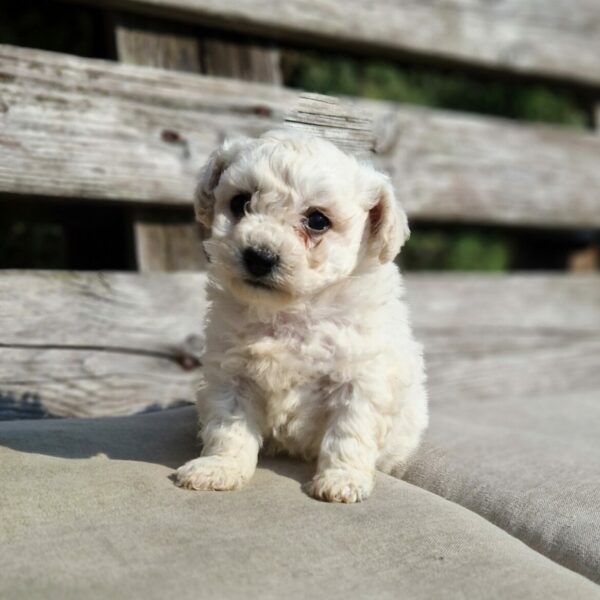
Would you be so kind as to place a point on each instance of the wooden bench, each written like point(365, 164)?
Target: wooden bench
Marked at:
point(119, 132)
point(134, 132)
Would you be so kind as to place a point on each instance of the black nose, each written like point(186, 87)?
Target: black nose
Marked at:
point(259, 261)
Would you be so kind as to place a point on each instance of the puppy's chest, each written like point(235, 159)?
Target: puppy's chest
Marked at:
point(282, 356)
point(291, 364)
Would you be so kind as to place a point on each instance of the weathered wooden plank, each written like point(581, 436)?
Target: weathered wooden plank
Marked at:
point(140, 41)
point(247, 62)
point(87, 383)
point(447, 166)
point(144, 42)
point(95, 129)
point(344, 123)
point(163, 243)
point(99, 344)
point(102, 310)
point(88, 344)
point(519, 36)
point(154, 43)
point(490, 336)
point(92, 129)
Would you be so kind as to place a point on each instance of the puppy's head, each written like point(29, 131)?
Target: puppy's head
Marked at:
point(290, 215)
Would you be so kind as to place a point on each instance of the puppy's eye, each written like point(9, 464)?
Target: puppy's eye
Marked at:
point(238, 205)
point(317, 221)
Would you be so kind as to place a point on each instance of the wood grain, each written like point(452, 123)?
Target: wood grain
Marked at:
point(345, 123)
point(103, 344)
point(530, 37)
point(146, 42)
point(141, 41)
point(72, 127)
point(94, 129)
point(89, 344)
point(449, 166)
point(493, 336)
point(155, 43)
point(165, 242)
point(243, 61)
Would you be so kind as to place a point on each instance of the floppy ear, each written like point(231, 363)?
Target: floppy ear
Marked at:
point(388, 223)
point(210, 174)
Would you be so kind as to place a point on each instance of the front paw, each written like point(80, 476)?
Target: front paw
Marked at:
point(216, 473)
point(341, 485)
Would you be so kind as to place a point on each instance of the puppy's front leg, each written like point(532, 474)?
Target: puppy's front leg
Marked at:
point(349, 450)
point(229, 452)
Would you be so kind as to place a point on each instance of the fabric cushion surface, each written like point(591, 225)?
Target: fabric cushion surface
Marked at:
point(89, 510)
point(529, 465)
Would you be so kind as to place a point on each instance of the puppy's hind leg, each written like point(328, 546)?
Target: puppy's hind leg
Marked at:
point(405, 434)
point(229, 452)
point(397, 452)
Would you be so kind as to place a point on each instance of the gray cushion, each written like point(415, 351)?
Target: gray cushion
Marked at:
point(89, 511)
point(529, 465)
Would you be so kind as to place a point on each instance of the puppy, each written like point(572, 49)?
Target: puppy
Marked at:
point(309, 347)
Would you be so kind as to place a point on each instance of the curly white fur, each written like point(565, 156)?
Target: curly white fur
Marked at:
point(321, 363)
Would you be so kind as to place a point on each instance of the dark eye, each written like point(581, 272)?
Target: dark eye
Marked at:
point(317, 221)
point(238, 205)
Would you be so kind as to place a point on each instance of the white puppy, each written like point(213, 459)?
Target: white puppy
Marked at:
point(309, 347)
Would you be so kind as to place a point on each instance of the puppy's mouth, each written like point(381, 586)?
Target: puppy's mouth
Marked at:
point(255, 283)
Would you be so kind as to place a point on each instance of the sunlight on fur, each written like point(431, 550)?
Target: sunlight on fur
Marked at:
point(309, 346)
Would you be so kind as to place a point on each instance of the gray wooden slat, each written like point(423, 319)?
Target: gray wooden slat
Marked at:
point(346, 124)
point(90, 344)
point(488, 336)
point(247, 62)
point(144, 42)
point(140, 41)
point(92, 129)
point(449, 166)
point(559, 40)
point(164, 242)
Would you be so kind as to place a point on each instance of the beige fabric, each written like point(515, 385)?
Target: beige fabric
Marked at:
point(531, 466)
point(89, 511)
